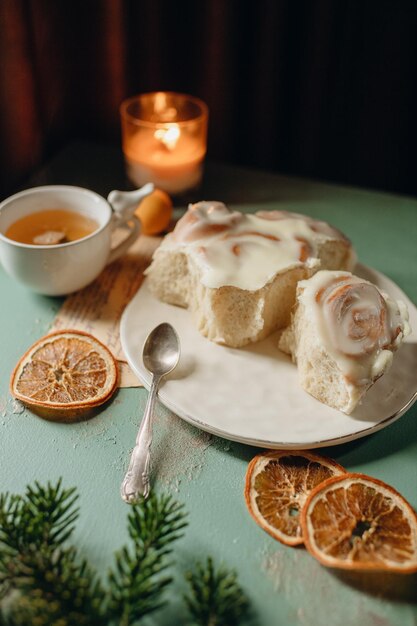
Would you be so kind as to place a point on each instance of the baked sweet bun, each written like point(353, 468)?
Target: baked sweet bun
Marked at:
point(343, 334)
point(238, 272)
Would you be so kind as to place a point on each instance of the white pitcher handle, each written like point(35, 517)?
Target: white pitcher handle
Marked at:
point(124, 204)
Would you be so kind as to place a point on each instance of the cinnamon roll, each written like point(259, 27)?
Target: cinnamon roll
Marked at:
point(237, 272)
point(343, 335)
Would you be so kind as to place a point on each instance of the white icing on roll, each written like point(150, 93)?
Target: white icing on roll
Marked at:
point(248, 250)
point(358, 325)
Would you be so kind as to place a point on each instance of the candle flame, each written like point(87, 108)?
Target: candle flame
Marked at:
point(163, 111)
point(168, 136)
point(160, 102)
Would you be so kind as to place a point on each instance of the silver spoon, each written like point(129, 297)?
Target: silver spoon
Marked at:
point(161, 354)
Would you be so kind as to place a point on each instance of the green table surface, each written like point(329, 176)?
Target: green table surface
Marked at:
point(285, 586)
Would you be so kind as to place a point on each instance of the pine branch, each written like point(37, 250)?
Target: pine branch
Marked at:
point(137, 581)
point(44, 582)
point(32, 527)
point(215, 597)
point(51, 580)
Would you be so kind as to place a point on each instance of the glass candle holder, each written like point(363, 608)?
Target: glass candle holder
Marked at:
point(164, 140)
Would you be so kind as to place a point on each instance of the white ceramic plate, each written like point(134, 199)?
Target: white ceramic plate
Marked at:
point(252, 394)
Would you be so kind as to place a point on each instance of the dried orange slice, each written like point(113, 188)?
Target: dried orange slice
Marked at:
point(65, 373)
point(357, 522)
point(277, 485)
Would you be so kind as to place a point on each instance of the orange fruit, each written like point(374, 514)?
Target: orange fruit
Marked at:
point(64, 374)
point(155, 212)
point(277, 485)
point(360, 523)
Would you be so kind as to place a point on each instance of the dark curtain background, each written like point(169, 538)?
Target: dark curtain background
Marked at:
point(324, 89)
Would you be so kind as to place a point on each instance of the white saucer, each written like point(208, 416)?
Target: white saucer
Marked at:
point(252, 394)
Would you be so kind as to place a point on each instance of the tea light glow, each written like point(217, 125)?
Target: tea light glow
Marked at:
point(164, 140)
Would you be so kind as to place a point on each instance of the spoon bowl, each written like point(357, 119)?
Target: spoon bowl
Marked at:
point(161, 351)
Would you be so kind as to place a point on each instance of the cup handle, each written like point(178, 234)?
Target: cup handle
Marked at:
point(123, 204)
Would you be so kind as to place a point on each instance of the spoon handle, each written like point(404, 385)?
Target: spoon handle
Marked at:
point(136, 482)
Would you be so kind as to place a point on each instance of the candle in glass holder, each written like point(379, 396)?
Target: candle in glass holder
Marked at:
point(164, 137)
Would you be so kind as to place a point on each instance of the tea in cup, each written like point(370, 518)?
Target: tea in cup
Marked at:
point(57, 239)
point(51, 226)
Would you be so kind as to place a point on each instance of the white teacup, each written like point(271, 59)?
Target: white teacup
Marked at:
point(63, 268)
